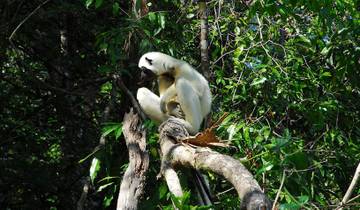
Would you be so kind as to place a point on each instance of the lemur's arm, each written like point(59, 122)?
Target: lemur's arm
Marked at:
point(167, 96)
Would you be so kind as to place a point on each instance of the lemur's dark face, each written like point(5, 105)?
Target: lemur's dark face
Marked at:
point(152, 65)
point(147, 75)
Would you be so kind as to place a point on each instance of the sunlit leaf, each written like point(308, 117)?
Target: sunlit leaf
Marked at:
point(190, 15)
point(258, 81)
point(104, 186)
point(162, 20)
point(111, 127)
point(231, 131)
point(325, 50)
point(118, 132)
point(152, 16)
point(94, 168)
point(88, 3)
point(107, 200)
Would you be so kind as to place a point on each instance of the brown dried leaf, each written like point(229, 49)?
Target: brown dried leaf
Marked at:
point(207, 137)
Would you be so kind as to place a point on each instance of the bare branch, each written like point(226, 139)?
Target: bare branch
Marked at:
point(171, 178)
point(351, 187)
point(120, 84)
point(279, 190)
point(231, 169)
point(23, 21)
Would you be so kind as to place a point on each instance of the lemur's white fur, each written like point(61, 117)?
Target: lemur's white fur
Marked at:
point(190, 87)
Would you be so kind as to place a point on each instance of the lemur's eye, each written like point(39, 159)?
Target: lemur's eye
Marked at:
point(148, 60)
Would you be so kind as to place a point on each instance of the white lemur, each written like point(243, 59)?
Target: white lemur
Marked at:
point(179, 84)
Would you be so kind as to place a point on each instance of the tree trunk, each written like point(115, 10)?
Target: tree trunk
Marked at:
point(203, 39)
point(133, 183)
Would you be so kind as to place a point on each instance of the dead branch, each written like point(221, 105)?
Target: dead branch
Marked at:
point(121, 85)
point(351, 187)
point(26, 18)
point(133, 183)
point(249, 191)
point(171, 178)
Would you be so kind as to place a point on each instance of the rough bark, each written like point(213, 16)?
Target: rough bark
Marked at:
point(231, 169)
point(171, 178)
point(133, 183)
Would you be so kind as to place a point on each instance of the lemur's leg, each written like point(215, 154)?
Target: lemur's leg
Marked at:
point(150, 104)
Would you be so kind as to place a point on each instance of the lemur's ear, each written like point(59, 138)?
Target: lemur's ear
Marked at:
point(149, 60)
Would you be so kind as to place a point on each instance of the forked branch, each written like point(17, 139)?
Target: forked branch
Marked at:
point(177, 153)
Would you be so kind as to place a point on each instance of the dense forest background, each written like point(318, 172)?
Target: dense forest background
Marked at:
point(286, 71)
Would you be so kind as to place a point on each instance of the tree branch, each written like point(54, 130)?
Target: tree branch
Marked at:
point(351, 187)
point(249, 191)
point(25, 19)
point(120, 84)
point(133, 182)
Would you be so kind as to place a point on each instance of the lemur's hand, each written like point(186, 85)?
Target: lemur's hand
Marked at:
point(177, 112)
point(163, 106)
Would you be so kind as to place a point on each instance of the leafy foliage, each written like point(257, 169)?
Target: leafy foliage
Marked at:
point(286, 71)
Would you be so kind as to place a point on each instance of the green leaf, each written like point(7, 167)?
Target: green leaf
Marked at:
point(118, 132)
point(88, 3)
point(303, 199)
point(157, 31)
point(282, 12)
point(231, 130)
point(108, 178)
point(94, 168)
point(266, 132)
point(304, 39)
point(107, 200)
point(326, 74)
point(289, 206)
point(325, 50)
point(162, 191)
point(98, 3)
point(258, 81)
point(106, 88)
point(264, 168)
point(104, 186)
point(190, 15)
point(343, 30)
point(247, 134)
point(162, 20)
point(116, 8)
point(152, 16)
point(110, 127)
